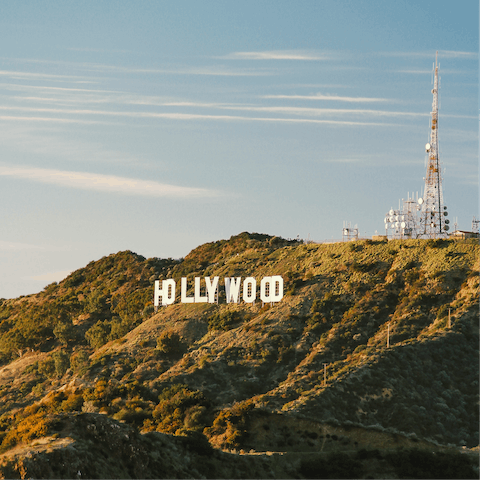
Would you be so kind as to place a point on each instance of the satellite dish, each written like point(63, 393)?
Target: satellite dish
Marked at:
point(447, 221)
point(397, 224)
point(403, 224)
point(391, 212)
point(445, 213)
point(447, 228)
point(420, 200)
point(385, 219)
point(386, 226)
point(427, 147)
point(444, 207)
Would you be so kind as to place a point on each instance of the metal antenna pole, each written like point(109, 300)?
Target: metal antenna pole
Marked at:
point(433, 211)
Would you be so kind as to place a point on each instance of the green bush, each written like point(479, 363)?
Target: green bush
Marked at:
point(180, 408)
point(47, 367)
point(97, 335)
point(169, 342)
point(223, 321)
point(62, 362)
point(80, 362)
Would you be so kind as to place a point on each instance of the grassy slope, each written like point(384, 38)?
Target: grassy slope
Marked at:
point(266, 362)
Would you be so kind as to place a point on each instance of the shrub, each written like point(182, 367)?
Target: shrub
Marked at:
point(62, 362)
point(180, 408)
point(169, 342)
point(363, 267)
point(80, 362)
point(65, 332)
point(231, 422)
point(47, 367)
point(25, 429)
point(97, 335)
point(223, 321)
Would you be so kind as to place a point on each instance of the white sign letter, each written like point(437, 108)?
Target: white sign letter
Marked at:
point(232, 289)
point(167, 292)
point(211, 288)
point(198, 298)
point(249, 284)
point(271, 289)
point(185, 299)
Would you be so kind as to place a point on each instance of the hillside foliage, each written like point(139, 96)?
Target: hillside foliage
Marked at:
point(378, 335)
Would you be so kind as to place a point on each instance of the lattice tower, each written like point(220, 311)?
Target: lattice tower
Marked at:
point(432, 216)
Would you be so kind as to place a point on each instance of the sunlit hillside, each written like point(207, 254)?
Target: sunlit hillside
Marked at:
point(373, 348)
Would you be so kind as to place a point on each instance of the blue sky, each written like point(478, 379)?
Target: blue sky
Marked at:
point(157, 126)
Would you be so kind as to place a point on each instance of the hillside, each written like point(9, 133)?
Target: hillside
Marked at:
point(310, 377)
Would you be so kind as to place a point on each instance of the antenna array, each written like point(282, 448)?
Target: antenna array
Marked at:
point(424, 217)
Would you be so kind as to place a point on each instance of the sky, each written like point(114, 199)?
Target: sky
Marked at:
point(157, 126)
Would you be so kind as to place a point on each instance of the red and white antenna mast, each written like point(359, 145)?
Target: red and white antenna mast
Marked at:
point(424, 217)
point(432, 219)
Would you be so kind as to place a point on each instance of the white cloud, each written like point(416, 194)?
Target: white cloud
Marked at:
point(104, 183)
point(277, 55)
point(458, 54)
point(43, 76)
point(195, 116)
point(328, 97)
point(84, 68)
point(15, 86)
point(448, 71)
point(49, 119)
point(17, 247)
point(431, 54)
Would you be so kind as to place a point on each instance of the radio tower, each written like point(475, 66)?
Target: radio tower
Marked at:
point(432, 216)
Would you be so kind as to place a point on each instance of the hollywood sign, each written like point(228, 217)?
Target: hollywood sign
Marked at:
point(271, 290)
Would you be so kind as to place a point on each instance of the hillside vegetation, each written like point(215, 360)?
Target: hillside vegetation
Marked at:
point(370, 357)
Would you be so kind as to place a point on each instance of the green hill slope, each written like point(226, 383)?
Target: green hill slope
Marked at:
point(312, 373)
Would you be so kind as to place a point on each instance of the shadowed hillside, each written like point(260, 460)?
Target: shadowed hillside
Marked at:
point(310, 376)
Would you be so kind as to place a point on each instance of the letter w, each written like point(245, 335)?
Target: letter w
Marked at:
point(232, 289)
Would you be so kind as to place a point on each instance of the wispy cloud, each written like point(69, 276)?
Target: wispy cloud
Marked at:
point(422, 71)
point(277, 55)
point(251, 108)
point(17, 247)
point(337, 98)
point(17, 87)
point(431, 54)
point(207, 70)
point(104, 183)
point(18, 118)
point(44, 76)
point(458, 54)
point(199, 116)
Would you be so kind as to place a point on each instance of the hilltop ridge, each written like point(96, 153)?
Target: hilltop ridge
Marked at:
point(314, 373)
